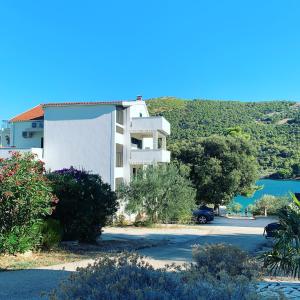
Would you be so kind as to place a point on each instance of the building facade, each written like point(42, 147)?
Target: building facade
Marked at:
point(112, 139)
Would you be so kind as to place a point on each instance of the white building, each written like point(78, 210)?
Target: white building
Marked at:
point(4, 135)
point(112, 139)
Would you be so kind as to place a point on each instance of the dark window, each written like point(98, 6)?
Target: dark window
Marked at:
point(120, 115)
point(34, 125)
point(137, 142)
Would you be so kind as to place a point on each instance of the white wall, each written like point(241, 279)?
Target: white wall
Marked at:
point(83, 137)
point(19, 141)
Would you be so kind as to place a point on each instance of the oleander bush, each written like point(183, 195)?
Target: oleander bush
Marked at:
point(128, 276)
point(25, 199)
point(85, 203)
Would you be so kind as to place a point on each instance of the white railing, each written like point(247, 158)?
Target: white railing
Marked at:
point(6, 152)
point(149, 156)
point(150, 124)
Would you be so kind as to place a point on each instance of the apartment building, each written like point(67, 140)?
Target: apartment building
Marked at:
point(112, 139)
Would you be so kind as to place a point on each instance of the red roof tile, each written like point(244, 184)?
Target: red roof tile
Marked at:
point(32, 114)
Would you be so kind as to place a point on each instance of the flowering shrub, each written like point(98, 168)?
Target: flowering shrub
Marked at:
point(25, 198)
point(127, 276)
point(85, 203)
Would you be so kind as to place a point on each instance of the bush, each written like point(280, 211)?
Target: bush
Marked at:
point(269, 205)
point(85, 203)
point(218, 258)
point(51, 231)
point(25, 198)
point(129, 277)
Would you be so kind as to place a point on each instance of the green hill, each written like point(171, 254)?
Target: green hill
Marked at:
point(274, 127)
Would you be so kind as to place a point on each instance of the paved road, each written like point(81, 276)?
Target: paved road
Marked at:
point(29, 284)
point(247, 234)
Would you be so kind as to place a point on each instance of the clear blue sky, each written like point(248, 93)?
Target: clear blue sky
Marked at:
point(100, 50)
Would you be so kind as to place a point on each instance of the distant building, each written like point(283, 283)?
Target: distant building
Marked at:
point(112, 139)
point(4, 134)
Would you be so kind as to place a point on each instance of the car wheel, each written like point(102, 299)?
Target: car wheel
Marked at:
point(202, 220)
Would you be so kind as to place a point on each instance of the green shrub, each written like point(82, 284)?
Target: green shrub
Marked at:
point(120, 221)
point(217, 258)
point(25, 199)
point(129, 277)
point(51, 231)
point(85, 203)
point(269, 205)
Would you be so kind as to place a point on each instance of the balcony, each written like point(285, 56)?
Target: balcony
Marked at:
point(150, 124)
point(149, 156)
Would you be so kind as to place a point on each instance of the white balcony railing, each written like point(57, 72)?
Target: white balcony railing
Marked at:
point(6, 152)
point(150, 124)
point(149, 156)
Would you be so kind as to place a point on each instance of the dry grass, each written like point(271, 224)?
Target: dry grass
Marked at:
point(38, 259)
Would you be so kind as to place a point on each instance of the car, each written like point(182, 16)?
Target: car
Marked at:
point(203, 215)
point(271, 229)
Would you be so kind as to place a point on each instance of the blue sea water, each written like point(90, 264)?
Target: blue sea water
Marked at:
point(270, 187)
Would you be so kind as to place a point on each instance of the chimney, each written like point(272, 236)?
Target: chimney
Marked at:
point(139, 98)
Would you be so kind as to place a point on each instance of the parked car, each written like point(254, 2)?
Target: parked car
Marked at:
point(271, 229)
point(203, 215)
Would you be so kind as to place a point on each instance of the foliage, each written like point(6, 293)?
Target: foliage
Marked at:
point(129, 277)
point(162, 192)
point(25, 199)
point(51, 231)
point(218, 258)
point(269, 205)
point(85, 203)
point(273, 127)
point(234, 207)
point(221, 167)
point(120, 221)
point(285, 255)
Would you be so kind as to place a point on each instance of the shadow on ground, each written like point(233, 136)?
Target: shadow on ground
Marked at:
point(29, 284)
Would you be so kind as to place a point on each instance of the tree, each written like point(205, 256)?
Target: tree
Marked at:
point(162, 192)
point(269, 204)
point(25, 199)
point(85, 203)
point(285, 255)
point(221, 168)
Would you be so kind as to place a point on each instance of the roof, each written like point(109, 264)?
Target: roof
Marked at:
point(119, 102)
point(38, 112)
point(32, 114)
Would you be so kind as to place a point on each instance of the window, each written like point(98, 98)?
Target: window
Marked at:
point(119, 129)
point(119, 156)
point(138, 143)
point(120, 115)
point(34, 125)
point(118, 182)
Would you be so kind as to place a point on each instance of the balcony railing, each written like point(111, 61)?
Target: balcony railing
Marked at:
point(149, 156)
point(150, 124)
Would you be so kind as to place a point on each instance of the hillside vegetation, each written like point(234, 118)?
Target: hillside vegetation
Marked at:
point(274, 128)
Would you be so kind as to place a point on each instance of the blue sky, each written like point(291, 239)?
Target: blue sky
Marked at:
point(104, 50)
